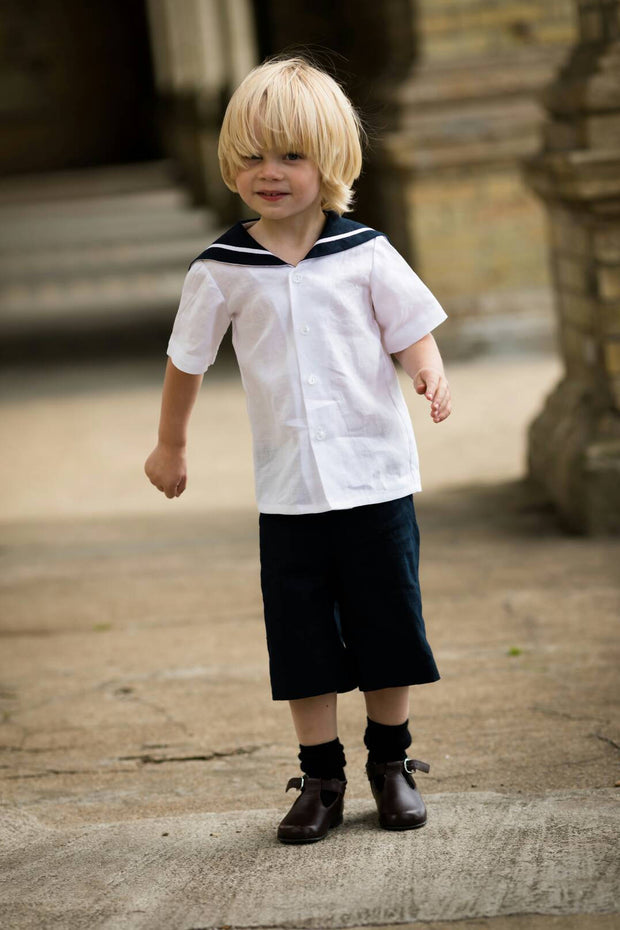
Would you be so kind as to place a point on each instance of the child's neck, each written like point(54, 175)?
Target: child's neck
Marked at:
point(289, 239)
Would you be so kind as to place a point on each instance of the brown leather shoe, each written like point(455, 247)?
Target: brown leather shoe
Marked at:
point(309, 819)
point(398, 800)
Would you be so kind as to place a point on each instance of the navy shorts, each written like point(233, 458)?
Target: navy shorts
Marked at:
point(342, 600)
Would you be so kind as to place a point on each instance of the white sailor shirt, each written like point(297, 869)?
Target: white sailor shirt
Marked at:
point(330, 427)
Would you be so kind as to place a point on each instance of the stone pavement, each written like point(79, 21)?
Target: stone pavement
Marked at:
point(144, 763)
point(484, 854)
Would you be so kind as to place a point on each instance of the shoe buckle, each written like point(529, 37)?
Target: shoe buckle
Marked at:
point(295, 783)
point(416, 766)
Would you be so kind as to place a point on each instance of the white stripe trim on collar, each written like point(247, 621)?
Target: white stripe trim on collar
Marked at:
point(241, 248)
point(353, 232)
point(237, 248)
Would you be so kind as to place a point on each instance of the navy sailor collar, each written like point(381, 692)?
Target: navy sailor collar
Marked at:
point(237, 247)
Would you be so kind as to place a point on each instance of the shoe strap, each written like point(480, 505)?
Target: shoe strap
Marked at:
point(409, 765)
point(317, 784)
point(416, 766)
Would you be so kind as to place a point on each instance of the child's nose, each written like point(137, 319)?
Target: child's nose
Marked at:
point(271, 168)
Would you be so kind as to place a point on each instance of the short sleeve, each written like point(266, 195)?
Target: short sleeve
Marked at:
point(404, 307)
point(200, 323)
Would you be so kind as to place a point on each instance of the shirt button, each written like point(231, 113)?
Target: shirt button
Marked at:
point(305, 330)
point(312, 379)
point(320, 434)
point(296, 278)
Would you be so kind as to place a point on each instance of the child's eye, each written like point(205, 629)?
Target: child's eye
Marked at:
point(293, 156)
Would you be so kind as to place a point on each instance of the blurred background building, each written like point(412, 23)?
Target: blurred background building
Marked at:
point(110, 182)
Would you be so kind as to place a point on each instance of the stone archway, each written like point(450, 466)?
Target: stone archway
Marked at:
point(78, 86)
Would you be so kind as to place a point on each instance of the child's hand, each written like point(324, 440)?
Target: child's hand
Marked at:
point(166, 468)
point(433, 384)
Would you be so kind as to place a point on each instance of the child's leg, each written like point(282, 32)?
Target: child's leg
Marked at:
point(321, 754)
point(387, 734)
point(314, 718)
point(321, 758)
point(389, 706)
point(387, 738)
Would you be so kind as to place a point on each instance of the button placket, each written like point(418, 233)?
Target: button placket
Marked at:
point(317, 433)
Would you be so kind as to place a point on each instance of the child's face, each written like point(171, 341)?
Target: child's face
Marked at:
point(280, 185)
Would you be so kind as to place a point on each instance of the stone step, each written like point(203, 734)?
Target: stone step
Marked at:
point(101, 181)
point(29, 232)
point(95, 247)
point(89, 300)
point(166, 198)
point(71, 260)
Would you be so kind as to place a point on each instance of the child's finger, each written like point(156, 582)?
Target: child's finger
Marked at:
point(441, 394)
point(440, 406)
point(427, 383)
point(432, 384)
point(419, 383)
point(442, 414)
point(443, 410)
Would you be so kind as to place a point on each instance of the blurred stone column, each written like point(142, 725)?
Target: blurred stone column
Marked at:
point(574, 445)
point(201, 49)
point(465, 116)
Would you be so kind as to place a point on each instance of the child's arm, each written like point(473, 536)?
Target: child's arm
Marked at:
point(423, 364)
point(166, 465)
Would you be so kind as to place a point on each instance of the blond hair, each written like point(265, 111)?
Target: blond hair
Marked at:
point(289, 105)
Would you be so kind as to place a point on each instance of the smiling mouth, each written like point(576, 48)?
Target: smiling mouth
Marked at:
point(271, 195)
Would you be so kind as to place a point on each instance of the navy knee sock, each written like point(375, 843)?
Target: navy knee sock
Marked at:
point(386, 743)
point(325, 760)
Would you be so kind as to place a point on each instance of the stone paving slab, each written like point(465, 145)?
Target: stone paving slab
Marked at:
point(512, 922)
point(482, 854)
